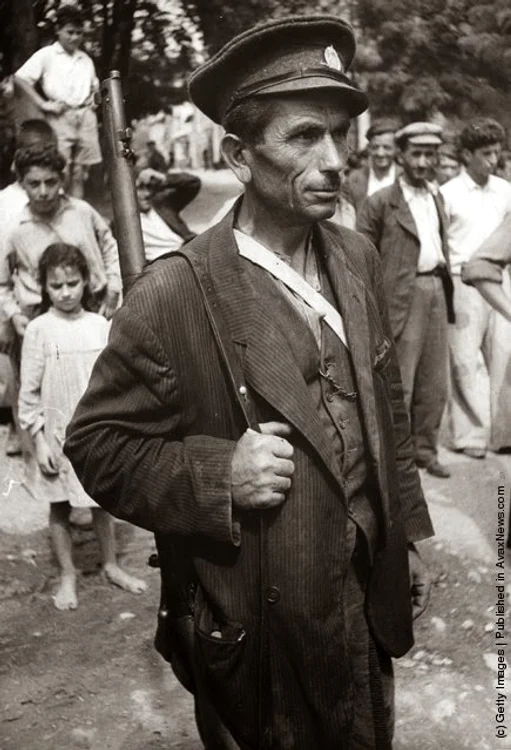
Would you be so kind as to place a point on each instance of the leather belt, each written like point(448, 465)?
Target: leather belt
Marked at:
point(437, 271)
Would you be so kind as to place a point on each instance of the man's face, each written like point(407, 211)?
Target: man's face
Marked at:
point(296, 169)
point(42, 186)
point(382, 150)
point(418, 162)
point(70, 36)
point(482, 162)
point(144, 197)
point(447, 169)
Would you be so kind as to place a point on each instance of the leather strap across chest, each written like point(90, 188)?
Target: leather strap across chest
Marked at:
point(264, 258)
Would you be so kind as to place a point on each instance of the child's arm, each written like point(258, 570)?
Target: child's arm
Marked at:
point(31, 408)
point(8, 303)
point(110, 256)
point(48, 106)
point(31, 73)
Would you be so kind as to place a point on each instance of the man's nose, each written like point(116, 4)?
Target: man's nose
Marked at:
point(332, 155)
point(43, 190)
point(422, 161)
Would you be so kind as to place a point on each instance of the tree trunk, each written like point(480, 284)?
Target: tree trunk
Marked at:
point(24, 31)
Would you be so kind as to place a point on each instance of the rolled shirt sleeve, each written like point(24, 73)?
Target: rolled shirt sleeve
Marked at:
point(490, 259)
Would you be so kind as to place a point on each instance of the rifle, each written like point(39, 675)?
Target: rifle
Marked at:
point(120, 158)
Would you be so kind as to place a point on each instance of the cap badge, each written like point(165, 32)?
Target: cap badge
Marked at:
point(332, 59)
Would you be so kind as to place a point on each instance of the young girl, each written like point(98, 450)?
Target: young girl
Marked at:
point(59, 350)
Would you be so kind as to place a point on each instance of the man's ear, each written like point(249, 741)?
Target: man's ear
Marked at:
point(466, 156)
point(237, 157)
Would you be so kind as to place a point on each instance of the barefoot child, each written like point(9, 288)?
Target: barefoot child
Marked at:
point(59, 350)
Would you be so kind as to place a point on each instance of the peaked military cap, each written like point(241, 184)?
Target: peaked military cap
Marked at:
point(293, 54)
point(420, 134)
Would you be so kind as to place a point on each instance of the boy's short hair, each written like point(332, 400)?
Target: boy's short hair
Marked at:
point(35, 131)
point(38, 155)
point(68, 14)
point(480, 132)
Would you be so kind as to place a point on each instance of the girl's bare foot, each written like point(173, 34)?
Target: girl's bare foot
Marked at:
point(119, 577)
point(65, 596)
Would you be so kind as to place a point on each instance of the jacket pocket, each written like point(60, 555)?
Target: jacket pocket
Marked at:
point(227, 672)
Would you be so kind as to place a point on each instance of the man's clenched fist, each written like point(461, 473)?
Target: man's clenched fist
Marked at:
point(262, 467)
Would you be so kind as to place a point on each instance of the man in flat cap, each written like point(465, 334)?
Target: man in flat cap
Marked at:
point(381, 170)
point(256, 423)
point(407, 224)
point(476, 202)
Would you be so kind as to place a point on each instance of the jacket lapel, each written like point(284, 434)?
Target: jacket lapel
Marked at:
point(403, 214)
point(268, 362)
point(350, 294)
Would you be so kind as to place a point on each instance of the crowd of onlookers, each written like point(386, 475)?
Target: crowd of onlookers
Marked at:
point(429, 207)
point(434, 210)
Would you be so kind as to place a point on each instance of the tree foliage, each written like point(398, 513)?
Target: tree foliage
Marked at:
point(441, 56)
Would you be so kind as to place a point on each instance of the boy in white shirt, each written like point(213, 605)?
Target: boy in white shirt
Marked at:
point(67, 78)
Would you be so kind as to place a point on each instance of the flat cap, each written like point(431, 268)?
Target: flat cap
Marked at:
point(420, 134)
point(380, 126)
point(293, 54)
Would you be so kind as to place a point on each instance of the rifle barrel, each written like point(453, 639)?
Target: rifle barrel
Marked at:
point(120, 160)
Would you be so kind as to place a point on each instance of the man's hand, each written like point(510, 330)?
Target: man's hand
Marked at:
point(44, 455)
point(148, 176)
point(420, 583)
point(19, 322)
point(262, 467)
point(51, 107)
point(109, 304)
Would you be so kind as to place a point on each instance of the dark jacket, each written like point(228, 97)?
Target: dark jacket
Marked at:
point(152, 441)
point(171, 197)
point(385, 218)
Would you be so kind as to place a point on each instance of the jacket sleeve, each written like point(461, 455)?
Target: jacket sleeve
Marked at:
point(414, 511)
point(127, 447)
point(369, 220)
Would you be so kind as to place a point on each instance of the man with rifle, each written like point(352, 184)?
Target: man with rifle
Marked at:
point(248, 410)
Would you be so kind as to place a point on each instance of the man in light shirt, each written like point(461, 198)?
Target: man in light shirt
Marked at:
point(407, 224)
point(476, 202)
point(380, 172)
point(160, 199)
point(67, 78)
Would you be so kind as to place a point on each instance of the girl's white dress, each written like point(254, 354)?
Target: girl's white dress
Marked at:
point(59, 351)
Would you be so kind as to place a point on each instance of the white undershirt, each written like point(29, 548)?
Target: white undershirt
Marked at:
point(157, 235)
point(376, 183)
point(423, 209)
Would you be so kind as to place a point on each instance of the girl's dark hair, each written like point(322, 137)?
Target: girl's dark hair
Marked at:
point(69, 256)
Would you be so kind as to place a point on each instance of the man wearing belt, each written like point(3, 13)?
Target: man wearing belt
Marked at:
point(296, 537)
point(68, 81)
point(407, 224)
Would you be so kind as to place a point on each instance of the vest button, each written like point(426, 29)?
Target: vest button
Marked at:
point(273, 595)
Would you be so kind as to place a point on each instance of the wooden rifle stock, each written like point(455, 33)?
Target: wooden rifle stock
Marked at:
point(120, 160)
